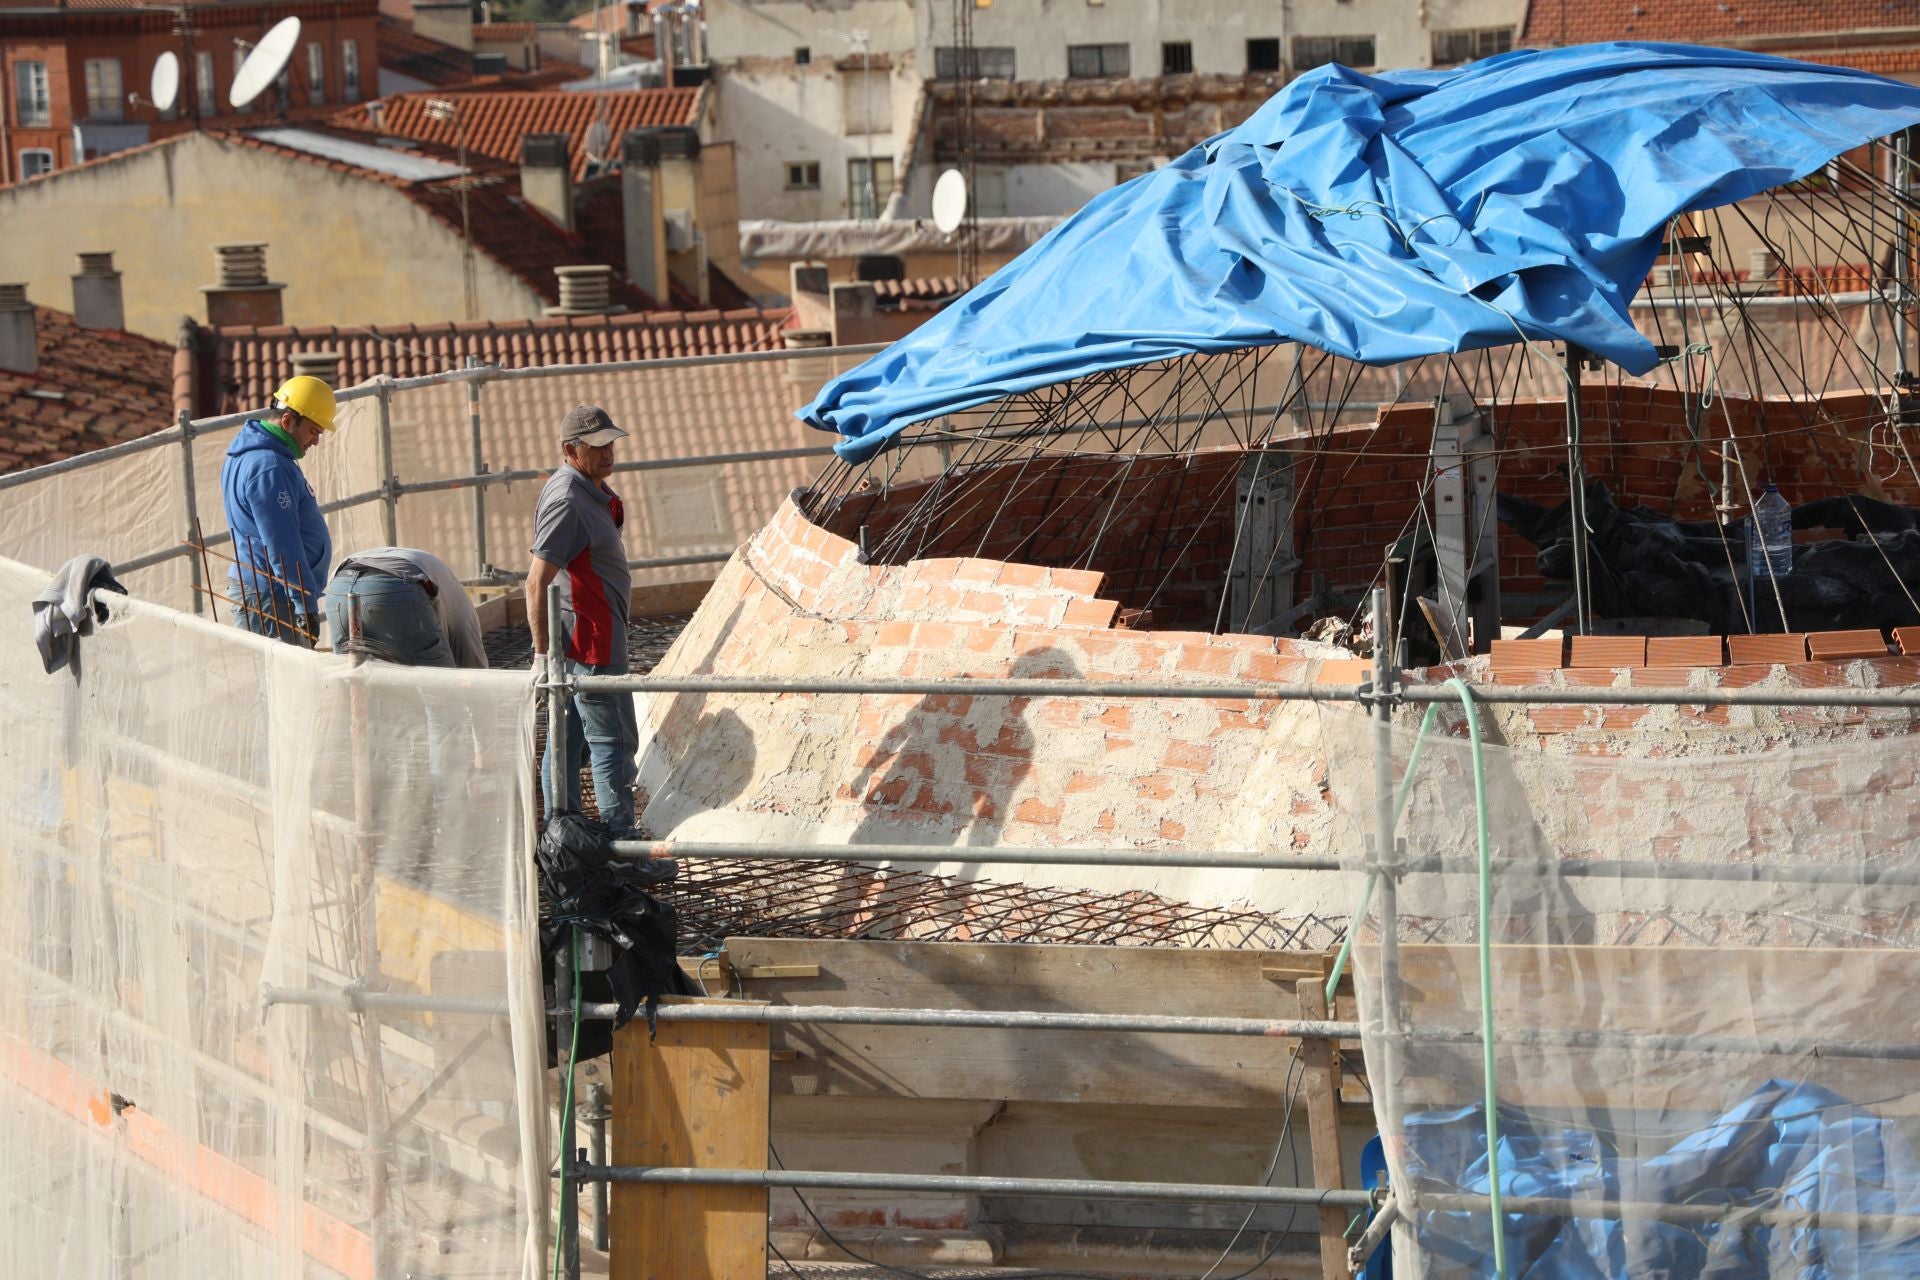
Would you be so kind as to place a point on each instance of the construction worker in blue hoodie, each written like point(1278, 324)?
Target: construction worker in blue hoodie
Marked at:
point(281, 547)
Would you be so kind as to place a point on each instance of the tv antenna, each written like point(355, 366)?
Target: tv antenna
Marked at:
point(164, 87)
point(265, 63)
point(599, 142)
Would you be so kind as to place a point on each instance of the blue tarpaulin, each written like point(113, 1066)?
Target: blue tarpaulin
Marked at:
point(1787, 1146)
point(1384, 218)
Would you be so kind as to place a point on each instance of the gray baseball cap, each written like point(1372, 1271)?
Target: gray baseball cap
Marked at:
point(589, 424)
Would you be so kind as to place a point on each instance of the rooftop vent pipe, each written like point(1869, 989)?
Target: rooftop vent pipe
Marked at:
point(97, 299)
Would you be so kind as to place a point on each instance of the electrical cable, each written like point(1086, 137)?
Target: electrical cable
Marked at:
point(1287, 1099)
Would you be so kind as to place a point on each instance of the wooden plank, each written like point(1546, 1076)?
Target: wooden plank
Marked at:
point(696, 1096)
point(1321, 1089)
point(1030, 1066)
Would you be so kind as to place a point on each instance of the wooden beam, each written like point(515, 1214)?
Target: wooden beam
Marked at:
point(1321, 1091)
point(696, 1096)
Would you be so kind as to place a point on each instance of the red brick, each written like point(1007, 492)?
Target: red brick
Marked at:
point(1082, 582)
point(1607, 651)
point(1037, 812)
point(1908, 639)
point(1343, 671)
point(983, 602)
point(1022, 575)
point(1772, 648)
point(1835, 646)
point(1194, 756)
point(1091, 613)
point(1685, 651)
point(1171, 830)
point(1529, 655)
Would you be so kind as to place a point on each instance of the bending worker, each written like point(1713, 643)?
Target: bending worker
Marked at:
point(281, 547)
point(576, 538)
point(413, 610)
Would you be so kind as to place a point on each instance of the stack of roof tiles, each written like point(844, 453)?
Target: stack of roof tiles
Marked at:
point(93, 388)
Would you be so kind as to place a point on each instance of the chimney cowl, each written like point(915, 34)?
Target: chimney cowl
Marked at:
point(19, 341)
point(640, 148)
point(584, 291)
point(97, 264)
point(544, 151)
point(317, 363)
point(242, 266)
point(678, 142)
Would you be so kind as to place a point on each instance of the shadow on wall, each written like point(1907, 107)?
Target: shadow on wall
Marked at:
point(717, 764)
point(934, 781)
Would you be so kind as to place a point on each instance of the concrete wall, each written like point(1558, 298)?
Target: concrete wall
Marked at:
point(349, 250)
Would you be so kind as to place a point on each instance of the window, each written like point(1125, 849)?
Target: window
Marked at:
point(316, 74)
point(1098, 61)
point(1176, 58)
point(31, 100)
point(106, 100)
point(869, 183)
point(35, 161)
point(986, 64)
point(203, 84)
point(1451, 48)
point(1317, 51)
point(866, 104)
point(802, 56)
point(803, 175)
point(1263, 54)
point(349, 71)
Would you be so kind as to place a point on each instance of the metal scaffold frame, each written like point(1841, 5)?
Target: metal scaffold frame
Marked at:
point(1385, 857)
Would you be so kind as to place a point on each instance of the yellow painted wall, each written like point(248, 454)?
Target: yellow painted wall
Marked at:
point(350, 251)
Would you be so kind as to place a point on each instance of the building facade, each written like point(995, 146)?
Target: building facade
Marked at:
point(839, 109)
point(76, 84)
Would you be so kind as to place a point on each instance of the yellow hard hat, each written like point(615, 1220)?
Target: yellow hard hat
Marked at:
point(309, 397)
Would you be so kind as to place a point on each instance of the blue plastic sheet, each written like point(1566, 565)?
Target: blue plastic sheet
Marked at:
point(1384, 218)
point(1792, 1146)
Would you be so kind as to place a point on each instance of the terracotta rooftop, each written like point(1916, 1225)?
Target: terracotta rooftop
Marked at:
point(505, 33)
point(495, 123)
point(249, 362)
point(1710, 21)
point(93, 388)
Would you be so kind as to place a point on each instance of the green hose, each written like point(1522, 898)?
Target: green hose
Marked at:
point(566, 1112)
point(1461, 687)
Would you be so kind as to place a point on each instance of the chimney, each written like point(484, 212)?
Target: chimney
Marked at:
point(186, 370)
point(584, 291)
point(546, 179)
point(19, 351)
point(1762, 264)
point(243, 294)
point(96, 294)
point(663, 46)
point(448, 23)
point(324, 365)
point(680, 209)
point(641, 207)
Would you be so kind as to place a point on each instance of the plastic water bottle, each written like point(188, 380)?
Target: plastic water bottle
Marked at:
point(1770, 537)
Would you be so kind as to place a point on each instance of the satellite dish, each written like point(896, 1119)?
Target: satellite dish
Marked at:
point(599, 140)
point(950, 201)
point(264, 65)
point(165, 85)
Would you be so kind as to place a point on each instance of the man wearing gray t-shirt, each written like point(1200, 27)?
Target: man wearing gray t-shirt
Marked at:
point(576, 540)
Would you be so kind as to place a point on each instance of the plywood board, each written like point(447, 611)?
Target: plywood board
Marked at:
point(1028, 1066)
point(696, 1096)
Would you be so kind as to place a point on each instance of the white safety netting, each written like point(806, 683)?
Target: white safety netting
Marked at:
point(1702, 958)
point(212, 846)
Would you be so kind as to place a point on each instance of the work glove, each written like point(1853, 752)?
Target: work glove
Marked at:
point(542, 669)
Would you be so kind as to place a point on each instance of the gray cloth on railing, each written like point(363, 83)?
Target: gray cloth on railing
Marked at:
point(65, 610)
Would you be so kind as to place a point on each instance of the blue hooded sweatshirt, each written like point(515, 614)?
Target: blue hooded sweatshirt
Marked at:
point(276, 522)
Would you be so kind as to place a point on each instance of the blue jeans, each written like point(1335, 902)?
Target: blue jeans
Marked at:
point(601, 729)
point(269, 615)
point(397, 622)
